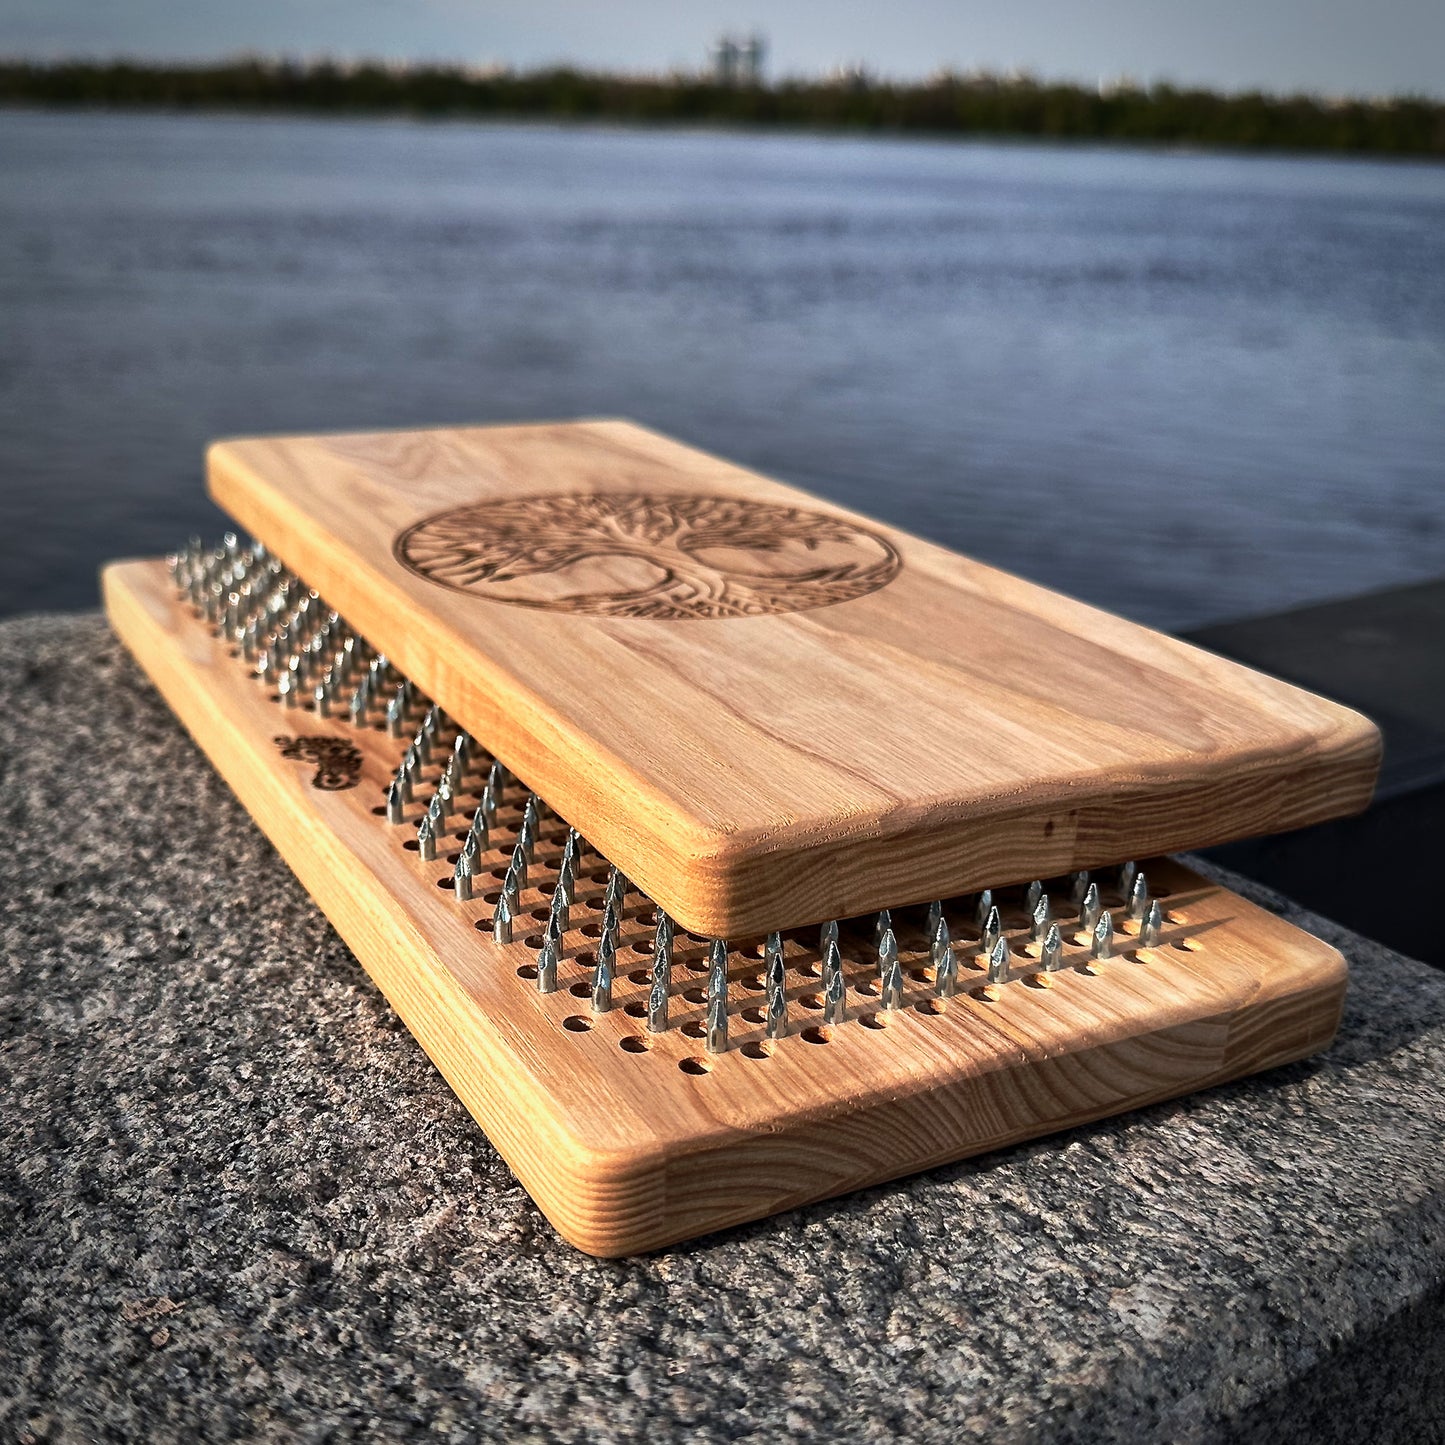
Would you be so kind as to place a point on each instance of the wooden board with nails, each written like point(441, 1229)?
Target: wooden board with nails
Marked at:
point(770, 711)
point(630, 1140)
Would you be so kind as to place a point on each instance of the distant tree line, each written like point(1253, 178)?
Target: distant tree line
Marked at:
point(948, 104)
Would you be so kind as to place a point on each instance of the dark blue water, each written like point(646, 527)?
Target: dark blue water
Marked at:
point(1183, 386)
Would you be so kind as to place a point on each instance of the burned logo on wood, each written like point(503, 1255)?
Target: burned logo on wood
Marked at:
point(338, 762)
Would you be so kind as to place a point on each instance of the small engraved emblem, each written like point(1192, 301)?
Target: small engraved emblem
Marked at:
point(672, 558)
point(338, 762)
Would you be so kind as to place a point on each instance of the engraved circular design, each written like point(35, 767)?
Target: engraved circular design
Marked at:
point(671, 558)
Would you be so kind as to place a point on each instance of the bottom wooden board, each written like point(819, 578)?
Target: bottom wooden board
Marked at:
point(629, 1140)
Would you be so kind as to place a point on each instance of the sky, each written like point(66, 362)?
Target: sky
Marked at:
point(1338, 47)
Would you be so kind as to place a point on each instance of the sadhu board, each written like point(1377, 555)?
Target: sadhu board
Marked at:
point(764, 708)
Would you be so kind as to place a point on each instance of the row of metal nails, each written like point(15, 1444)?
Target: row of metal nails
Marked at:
point(292, 640)
point(1094, 921)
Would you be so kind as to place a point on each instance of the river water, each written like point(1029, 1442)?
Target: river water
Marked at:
point(1184, 386)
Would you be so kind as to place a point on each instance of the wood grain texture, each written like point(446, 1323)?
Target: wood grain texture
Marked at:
point(628, 1151)
point(951, 728)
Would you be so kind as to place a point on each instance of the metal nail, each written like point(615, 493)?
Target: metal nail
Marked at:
point(890, 971)
point(1102, 946)
point(984, 908)
point(1139, 897)
point(998, 961)
point(1052, 953)
point(395, 801)
point(945, 964)
point(1152, 926)
point(602, 977)
point(462, 879)
point(991, 933)
point(547, 967)
point(1042, 919)
point(835, 1003)
point(560, 914)
point(717, 997)
point(502, 921)
point(776, 980)
point(657, 998)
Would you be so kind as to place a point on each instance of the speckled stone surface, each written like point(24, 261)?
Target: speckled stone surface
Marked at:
point(236, 1201)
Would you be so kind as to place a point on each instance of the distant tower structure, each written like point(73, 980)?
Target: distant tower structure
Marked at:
point(752, 54)
point(725, 60)
point(739, 61)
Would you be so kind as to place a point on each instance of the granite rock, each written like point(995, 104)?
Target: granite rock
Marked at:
point(237, 1201)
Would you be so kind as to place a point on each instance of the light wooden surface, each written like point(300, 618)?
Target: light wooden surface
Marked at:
point(627, 1151)
point(954, 728)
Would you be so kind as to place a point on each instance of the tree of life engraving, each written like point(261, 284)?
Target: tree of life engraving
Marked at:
point(673, 558)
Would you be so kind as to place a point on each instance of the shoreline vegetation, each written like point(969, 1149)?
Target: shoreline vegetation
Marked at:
point(946, 104)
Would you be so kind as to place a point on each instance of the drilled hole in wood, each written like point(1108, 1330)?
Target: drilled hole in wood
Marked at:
point(412, 845)
point(633, 1044)
point(695, 1066)
point(1185, 945)
point(577, 1024)
point(753, 982)
point(873, 1021)
point(635, 1010)
point(812, 1000)
point(577, 990)
point(754, 1015)
point(639, 975)
point(534, 941)
point(931, 1006)
point(694, 1030)
point(585, 959)
point(527, 970)
point(815, 1035)
point(756, 1050)
point(694, 995)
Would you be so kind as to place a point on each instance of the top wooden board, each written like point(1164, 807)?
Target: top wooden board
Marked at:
point(766, 709)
